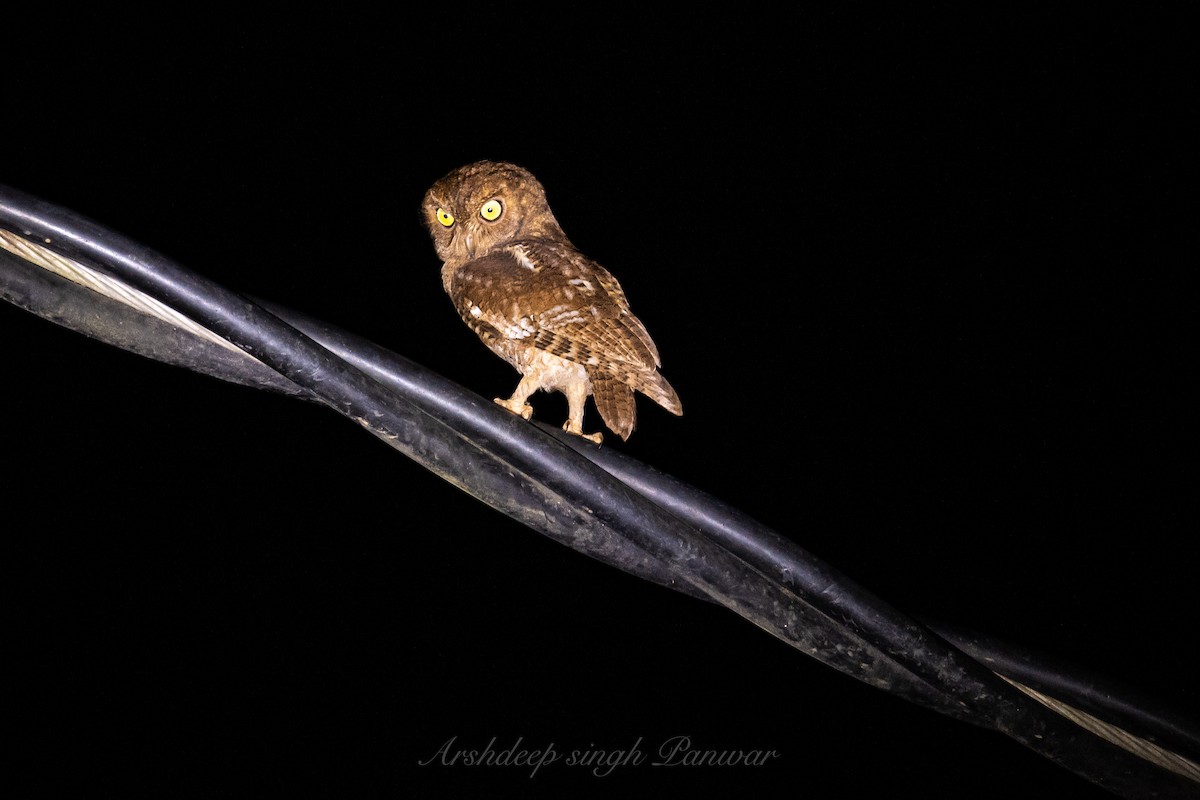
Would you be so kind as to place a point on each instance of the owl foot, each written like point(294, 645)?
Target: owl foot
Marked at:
point(595, 438)
point(524, 410)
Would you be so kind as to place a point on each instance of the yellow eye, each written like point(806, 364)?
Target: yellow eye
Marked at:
point(491, 210)
point(445, 217)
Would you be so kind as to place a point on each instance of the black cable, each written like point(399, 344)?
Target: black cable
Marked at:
point(68, 304)
point(748, 569)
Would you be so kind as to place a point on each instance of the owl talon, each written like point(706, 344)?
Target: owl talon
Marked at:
point(595, 438)
point(524, 410)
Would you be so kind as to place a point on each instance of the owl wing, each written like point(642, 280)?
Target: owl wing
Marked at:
point(555, 299)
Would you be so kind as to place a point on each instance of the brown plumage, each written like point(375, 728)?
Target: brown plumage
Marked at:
point(557, 316)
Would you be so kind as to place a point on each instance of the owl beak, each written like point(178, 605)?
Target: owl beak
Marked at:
point(470, 242)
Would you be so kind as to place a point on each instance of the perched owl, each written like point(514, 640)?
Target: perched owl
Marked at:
point(557, 316)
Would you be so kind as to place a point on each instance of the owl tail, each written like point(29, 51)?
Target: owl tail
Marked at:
point(614, 401)
point(655, 387)
point(614, 398)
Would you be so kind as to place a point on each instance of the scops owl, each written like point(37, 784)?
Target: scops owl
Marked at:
point(557, 316)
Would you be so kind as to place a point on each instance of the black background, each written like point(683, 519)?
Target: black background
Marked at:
point(913, 276)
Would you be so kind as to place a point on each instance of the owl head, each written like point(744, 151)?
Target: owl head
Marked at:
point(486, 205)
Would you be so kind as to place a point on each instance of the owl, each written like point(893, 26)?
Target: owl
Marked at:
point(557, 316)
